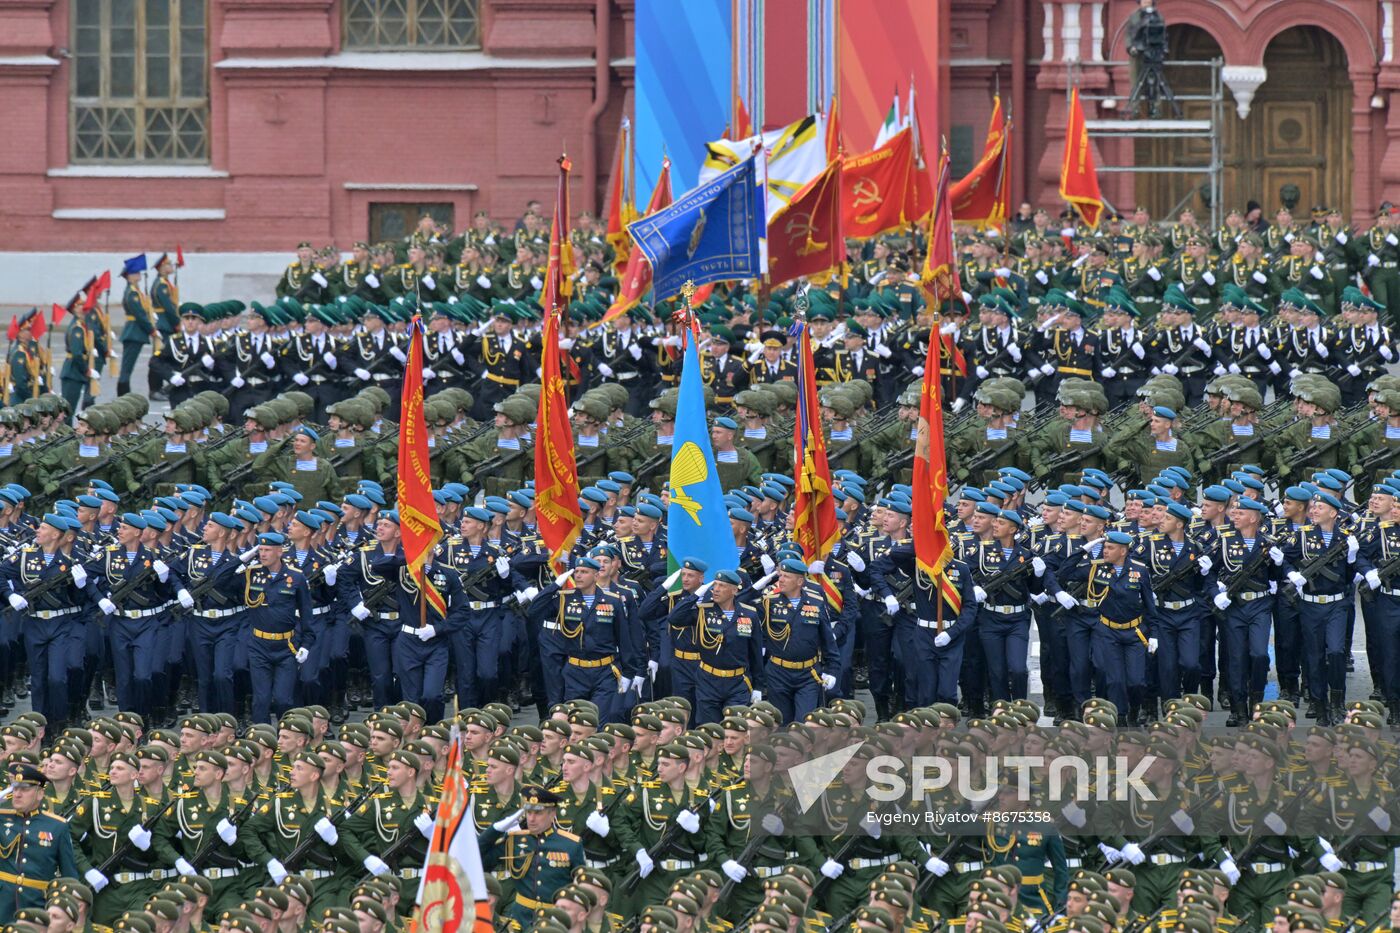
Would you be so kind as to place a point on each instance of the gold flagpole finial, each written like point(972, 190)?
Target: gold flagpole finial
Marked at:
point(687, 290)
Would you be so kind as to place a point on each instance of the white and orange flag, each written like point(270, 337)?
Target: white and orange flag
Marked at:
point(452, 890)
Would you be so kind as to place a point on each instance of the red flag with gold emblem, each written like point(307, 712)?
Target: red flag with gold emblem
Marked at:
point(1079, 180)
point(875, 187)
point(556, 471)
point(805, 237)
point(621, 210)
point(637, 279)
point(980, 196)
point(418, 515)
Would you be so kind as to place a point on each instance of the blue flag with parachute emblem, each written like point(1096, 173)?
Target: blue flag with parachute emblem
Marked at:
point(697, 522)
point(713, 233)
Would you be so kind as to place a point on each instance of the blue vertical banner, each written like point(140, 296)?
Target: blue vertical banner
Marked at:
point(684, 92)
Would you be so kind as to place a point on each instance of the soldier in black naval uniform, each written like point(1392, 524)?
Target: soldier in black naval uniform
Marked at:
point(504, 361)
point(35, 845)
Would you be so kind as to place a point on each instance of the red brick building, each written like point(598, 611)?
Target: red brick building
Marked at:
point(244, 126)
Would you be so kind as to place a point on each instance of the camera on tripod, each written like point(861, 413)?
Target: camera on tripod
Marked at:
point(1148, 46)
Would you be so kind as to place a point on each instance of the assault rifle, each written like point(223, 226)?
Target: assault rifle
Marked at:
point(206, 850)
point(293, 860)
point(1320, 566)
point(123, 850)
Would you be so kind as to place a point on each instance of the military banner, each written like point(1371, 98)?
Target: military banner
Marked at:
point(452, 896)
point(418, 515)
point(805, 237)
point(1079, 180)
point(876, 187)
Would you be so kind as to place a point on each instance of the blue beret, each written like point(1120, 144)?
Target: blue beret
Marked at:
point(1250, 482)
point(225, 520)
point(272, 538)
point(1095, 484)
point(1330, 499)
point(154, 520)
point(168, 514)
point(728, 576)
point(280, 485)
point(391, 515)
point(1118, 537)
point(1161, 492)
point(608, 485)
point(18, 490)
point(621, 476)
point(1018, 473)
point(65, 505)
point(308, 432)
point(1074, 505)
point(902, 507)
point(371, 484)
point(605, 550)
point(193, 498)
point(445, 495)
point(1253, 469)
point(1341, 476)
point(594, 494)
point(374, 495)
point(793, 565)
point(992, 492)
point(325, 505)
point(652, 498)
point(9, 497)
point(357, 501)
point(266, 504)
point(728, 423)
point(1216, 493)
point(519, 498)
point(477, 513)
point(1254, 505)
point(988, 508)
point(627, 511)
point(1098, 474)
point(497, 505)
point(773, 491)
point(1015, 484)
point(1298, 494)
point(90, 502)
point(1149, 500)
point(789, 482)
point(647, 510)
point(1056, 500)
point(284, 498)
point(588, 563)
point(1137, 494)
point(1384, 489)
point(1013, 517)
point(73, 523)
point(1180, 511)
point(1004, 488)
point(100, 484)
point(853, 492)
point(841, 515)
point(309, 520)
point(107, 495)
point(696, 564)
point(1329, 483)
point(973, 494)
point(1162, 411)
point(741, 515)
point(843, 474)
point(1180, 471)
point(249, 515)
point(1099, 512)
point(1233, 485)
point(56, 521)
point(1074, 490)
point(789, 549)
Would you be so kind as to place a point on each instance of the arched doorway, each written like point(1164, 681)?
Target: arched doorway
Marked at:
point(1298, 131)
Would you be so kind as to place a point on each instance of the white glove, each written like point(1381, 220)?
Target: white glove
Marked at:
point(1038, 566)
point(79, 576)
point(1380, 818)
point(734, 871)
point(623, 685)
point(177, 380)
point(563, 578)
point(527, 594)
point(1208, 277)
point(1341, 237)
point(606, 370)
point(636, 684)
point(652, 668)
point(1222, 601)
point(1109, 372)
point(1373, 260)
point(319, 279)
point(332, 572)
point(503, 566)
point(1260, 277)
point(95, 879)
point(1066, 231)
point(238, 381)
point(506, 824)
point(1297, 579)
point(635, 351)
point(1330, 862)
point(1274, 367)
point(672, 341)
point(1182, 821)
point(162, 569)
point(1171, 369)
point(1390, 238)
point(1066, 600)
point(1373, 579)
point(598, 822)
point(1386, 353)
point(1074, 813)
point(207, 360)
point(1232, 368)
point(301, 655)
point(184, 867)
point(1276, 555)
point(227, 831)
point(891, 605)
point(398, 354)
point(773, 824)
point(362, 374)
point(829, 681)
point(371, 280)
point(1133, 853)
point(882, 351)
point(1040, 599)
point(941, 640)
point(1151, 649)
point(644, 862)
point(1205, 563)
point(832, 869)
point(359, 611)
point(936, 866)
point(268, 360)
point(982, 372)
point(185, 598)
point(816, 567)
point(140, 837)
point(1110, 853)
point(107, 606)
point(536, 281)
point(1321, 349)
point(855, 561)
point(1014, 352)
point(1138, 350)
point(1089, 545)
point(425, 633)
point(1353, 548)
point(1200, 344)
point(18, 603)
point(979, 594)
point(1264, 352)
point(483, 281)
point(1316, 273)
point(424, 823)
point(756, 697)
point(959, 404)
point(1002, 271)
point(689, 821)
point(428, 373)
point(458, 358)
point(375, 865)
point(329, 357)
point(1047, 369)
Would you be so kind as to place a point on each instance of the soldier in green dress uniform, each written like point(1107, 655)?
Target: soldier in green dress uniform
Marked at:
point(296, 274)
point(539, 858)
point(140, 321)
point(27, 364)
point(124, 820)
point(35, 845)
point(165, 296)
point(397, 820)
point(86, 342)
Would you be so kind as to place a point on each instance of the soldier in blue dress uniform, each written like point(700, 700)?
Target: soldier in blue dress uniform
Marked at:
point(278, 603)
point(803, 661)
point(35, 845)
point(1120, 590)
point(208, 567)
point(729, 642)
point(421, 650)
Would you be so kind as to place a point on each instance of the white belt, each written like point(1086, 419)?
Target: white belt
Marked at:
point(321, 610)
point(930, 623)
point(141, 613)
point(768, 871)
point(859, 863)
point(1074, 862)
point(409, 873)
point(218, 613)
point(1178, 604)
point(216, 874)
point(1366, 866)
point(1005, 610)
point(56, 613)
point(387, 616)
point(492, 604)
point(675, 864)
point(1266, 868)
point(408, 630)
point(1325, 599)
point(551, 626)
point(967, 866)
point(156, 874)
point(1250, 597)
point(316, 874)
point(600, 863)
point(1164, 858)
point(1389, 592)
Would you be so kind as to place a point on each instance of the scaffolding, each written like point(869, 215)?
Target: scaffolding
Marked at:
point(1170, 128)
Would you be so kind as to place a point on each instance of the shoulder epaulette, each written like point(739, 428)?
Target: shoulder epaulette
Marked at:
point(566, 834)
